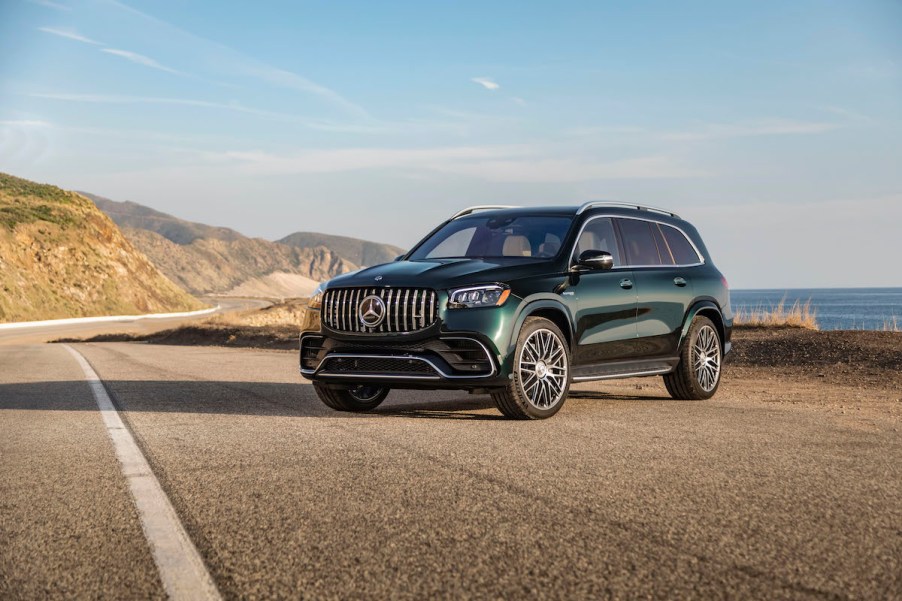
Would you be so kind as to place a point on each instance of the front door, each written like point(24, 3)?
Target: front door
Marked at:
point(605, 300)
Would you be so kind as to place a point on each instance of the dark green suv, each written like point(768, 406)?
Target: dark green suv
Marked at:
point(520, 302)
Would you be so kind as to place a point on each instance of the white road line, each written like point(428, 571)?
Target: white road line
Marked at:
point(181, 568)
point(103, 319)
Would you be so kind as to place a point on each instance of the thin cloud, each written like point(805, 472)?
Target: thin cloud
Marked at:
point(233, 62)
point(70, 34)
point(140, 59)
point(774, 127)
point(53, 5)
point(356, 159)
point(518, 100)
point(506, 164)
point(368, 128)
point(487, 83)
point(25, 123)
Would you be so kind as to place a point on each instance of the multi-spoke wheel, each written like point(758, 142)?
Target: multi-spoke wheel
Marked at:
point(362, 397)
point(698, 374)
point(706, 358)
point(541, 375)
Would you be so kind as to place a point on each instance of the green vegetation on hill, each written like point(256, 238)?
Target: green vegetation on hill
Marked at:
point(26, 202)
point(61, 257)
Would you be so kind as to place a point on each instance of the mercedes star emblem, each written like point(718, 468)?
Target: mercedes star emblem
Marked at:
point(371, 311)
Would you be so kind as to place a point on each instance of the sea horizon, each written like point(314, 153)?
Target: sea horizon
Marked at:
point(854, 308)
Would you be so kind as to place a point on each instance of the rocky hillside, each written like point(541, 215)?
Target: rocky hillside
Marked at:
point(360, 252)
point(205, 259)
point(61, 257)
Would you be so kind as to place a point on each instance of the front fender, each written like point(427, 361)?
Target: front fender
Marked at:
point(536, 303)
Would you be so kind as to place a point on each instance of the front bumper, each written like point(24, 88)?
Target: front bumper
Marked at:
point(458, 360)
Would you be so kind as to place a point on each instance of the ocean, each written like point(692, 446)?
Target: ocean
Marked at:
point(835, 308)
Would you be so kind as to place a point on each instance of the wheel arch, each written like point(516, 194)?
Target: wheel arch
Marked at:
point(709, 309)
point(552, 310)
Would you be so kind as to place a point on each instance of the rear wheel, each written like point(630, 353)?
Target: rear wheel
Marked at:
point(541, 377)
point(698, 374)
point(362, 397)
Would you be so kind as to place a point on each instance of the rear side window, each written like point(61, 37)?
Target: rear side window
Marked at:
point(681, 249)
point(639, 242)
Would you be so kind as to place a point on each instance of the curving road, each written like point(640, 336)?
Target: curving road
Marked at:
point(624, 494)
point(54, 331)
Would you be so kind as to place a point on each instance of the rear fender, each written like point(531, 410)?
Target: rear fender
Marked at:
point(709, 309)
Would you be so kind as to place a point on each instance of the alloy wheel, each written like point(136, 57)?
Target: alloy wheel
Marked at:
point(706, 358)
point(543, 369)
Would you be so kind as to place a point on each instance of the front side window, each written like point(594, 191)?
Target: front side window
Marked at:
point(598, 235)
point(480, 237)
point(639, 242)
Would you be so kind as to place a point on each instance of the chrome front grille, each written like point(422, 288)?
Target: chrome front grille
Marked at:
point(407, 309)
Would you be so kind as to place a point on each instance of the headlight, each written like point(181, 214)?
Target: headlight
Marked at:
point(316, 300)
point(479, 296)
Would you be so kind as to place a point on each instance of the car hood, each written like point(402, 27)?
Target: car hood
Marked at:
point(443, 273)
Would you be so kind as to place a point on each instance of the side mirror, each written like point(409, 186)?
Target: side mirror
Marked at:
point(595, 260)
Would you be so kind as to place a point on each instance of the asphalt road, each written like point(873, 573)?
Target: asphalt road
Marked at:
point(623, 494)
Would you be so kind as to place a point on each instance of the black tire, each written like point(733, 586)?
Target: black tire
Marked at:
point(517, 402)
point(360, 398)
point(688, 382)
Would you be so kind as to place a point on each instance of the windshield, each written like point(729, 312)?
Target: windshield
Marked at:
point(534, 236)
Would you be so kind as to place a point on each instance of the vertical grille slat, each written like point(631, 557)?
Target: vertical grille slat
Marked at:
point(343, 302)
point(357, 298)
point(423, 311)
point(388, 320)
point(406, 309)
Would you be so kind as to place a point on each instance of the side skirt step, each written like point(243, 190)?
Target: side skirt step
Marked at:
point(624, 369)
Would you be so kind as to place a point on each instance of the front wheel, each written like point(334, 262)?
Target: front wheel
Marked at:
point(698, 374)
point(541, 375)
point(363, 397)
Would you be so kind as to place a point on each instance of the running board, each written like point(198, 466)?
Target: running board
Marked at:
point(624, 369)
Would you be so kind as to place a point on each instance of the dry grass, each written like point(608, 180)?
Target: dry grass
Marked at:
point(797, 316)
point(892, 325)
point(287, 313)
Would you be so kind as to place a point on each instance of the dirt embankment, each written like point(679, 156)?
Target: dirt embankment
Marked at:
point(849, 358)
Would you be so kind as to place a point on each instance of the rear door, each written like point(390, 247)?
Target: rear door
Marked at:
point(662, 273)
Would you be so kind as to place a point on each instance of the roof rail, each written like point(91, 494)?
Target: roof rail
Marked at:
point(610, 203)
point(470, 210)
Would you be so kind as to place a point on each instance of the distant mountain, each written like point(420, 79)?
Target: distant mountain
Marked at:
point(131, 214)
point(62, 257)
point(360, 252)
point(206, 259)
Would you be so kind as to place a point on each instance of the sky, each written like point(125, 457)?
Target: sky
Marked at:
point(774, 127)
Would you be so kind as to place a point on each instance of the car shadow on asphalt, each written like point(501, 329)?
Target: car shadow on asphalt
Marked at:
point(609, 396)
point(252, 398)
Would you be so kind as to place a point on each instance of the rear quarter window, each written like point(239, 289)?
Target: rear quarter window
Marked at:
point(681, 249)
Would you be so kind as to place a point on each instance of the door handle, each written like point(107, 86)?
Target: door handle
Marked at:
point(679, 281)
point(626, 283)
